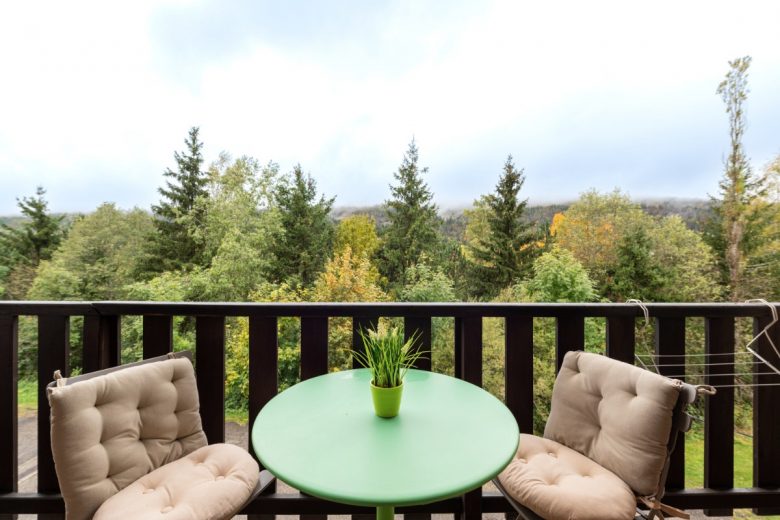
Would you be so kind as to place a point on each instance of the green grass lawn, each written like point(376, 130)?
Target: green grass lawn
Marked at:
point(27, 398)
point(743, 466)
point(694, 460)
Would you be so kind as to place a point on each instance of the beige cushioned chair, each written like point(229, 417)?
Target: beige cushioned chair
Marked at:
point(606, 444)
point(128, 444)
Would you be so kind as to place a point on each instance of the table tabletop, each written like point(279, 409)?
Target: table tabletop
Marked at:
point(322, 437)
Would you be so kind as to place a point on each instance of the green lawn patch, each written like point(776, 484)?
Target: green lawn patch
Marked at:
point(27, 396)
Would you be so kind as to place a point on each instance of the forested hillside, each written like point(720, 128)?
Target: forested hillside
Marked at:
point(241, 230)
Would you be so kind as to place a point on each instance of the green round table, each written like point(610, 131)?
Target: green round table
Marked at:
point(322, 437)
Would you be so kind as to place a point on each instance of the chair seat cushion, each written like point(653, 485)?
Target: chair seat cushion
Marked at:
point(558, 483)
point(213, 482)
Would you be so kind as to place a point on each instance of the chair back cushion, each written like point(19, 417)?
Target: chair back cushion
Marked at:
point(107, 431)
point(616, 414)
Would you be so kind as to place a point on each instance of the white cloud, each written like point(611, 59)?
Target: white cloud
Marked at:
point(583, 94)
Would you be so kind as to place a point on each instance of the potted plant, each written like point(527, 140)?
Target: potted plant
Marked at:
point(387, 356)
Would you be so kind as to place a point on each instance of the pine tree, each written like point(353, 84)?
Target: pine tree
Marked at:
point(413, 228)
point(508, 250)
point(305, 238)
point(174, 246)
point(37, 238)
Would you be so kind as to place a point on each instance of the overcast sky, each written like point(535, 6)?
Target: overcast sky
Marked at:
point(96, 96)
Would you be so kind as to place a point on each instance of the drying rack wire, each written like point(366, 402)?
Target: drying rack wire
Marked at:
point(759, 365)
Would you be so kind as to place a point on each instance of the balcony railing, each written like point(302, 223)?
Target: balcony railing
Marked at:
point(101, 348)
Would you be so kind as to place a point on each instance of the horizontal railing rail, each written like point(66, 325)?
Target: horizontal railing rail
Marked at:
point(102, 346)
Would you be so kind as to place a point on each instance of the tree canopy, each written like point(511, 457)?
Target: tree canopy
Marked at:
point(303, 241)
point(505, 252)
point(413, 228)
point(172, 245)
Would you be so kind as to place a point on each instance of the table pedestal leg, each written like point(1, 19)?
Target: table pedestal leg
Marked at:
point(385, 512)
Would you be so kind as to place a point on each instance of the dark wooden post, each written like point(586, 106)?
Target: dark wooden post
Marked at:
point(361, 324)
point(53, 349)
point(8, 406)
point(519, 370)
point(157, 336)
point(621, 338)
point(314, 346)
point(263, 377)
point(471, 369)
point(314, 359)
point(569, 335)
point(458, 354)
point(421, 326)
point(670, 343)
point(766, 419)
point(719, 409)
point(102, 347)
point(210, 372)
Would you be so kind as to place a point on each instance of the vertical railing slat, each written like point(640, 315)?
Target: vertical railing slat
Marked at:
point(53, 347)
point(102, 347)
point(519, 370)
point(670, 344)
point(470, 347)
point(314, 346)
point(263, 376)
point(421, 326)
point(364, 324)
point(766, 419)
point(458, 354)
point(263, 363)
point(719, 409)
point(569, 335)
point(210, 371)
point(314, 359)
point(157, 335)
point(9, 326)
point(621, 338)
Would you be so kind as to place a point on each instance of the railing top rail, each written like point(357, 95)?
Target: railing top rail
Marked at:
point(390, 309)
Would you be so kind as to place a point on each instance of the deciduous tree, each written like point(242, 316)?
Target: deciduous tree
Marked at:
point(733, 229)
point(97, 259)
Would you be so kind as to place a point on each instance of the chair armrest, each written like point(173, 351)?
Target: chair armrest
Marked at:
point(266, 479)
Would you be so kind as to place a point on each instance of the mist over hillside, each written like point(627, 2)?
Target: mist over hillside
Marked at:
point(692, 211)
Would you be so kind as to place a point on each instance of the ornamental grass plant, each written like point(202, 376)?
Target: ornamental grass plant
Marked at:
point(388, 356)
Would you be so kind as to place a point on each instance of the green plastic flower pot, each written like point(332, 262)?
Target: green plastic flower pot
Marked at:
point(387, 401)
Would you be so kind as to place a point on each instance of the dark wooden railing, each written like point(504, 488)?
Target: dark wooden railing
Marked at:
point(101, 348)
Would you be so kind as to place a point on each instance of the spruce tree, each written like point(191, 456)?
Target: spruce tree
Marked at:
point(23, 248)
point(304, 239)
point(507, 252)
point(413, 228)
point(173, 245)
point(35, 239)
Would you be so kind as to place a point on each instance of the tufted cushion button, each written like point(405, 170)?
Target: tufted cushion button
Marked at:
point(166, 509)
point(147, 491)
point(521, 461)
point(571, 486)
point(220, 477)
point(596, 411)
